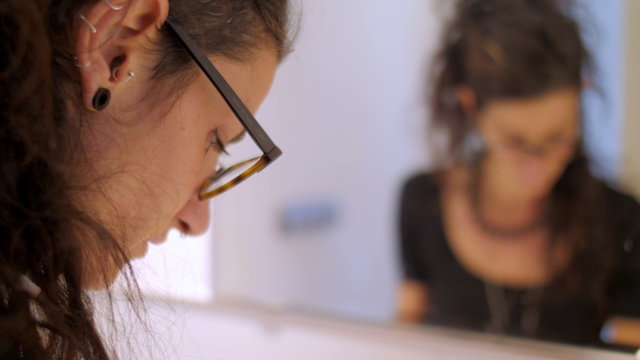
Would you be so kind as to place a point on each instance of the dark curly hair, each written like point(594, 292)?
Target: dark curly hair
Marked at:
point(43, 229)
point(514, 49)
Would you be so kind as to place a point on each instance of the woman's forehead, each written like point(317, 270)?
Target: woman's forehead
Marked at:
point(555, 112)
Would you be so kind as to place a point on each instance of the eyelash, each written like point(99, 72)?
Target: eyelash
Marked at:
point(215, 142)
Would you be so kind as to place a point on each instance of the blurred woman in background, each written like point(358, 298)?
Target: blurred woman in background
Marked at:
point(512, 234)
point(110, 136)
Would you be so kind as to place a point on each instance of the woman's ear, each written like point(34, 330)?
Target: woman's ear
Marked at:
point(113, 34)
point(467, 98)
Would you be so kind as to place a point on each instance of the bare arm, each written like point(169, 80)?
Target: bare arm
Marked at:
point(620, 330)
point(413, 302)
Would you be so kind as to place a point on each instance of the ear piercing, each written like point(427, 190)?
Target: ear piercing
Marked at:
point(77, 64)
point(101, 99)
point(130, 75)
point(113, 7)
point(93, 30)
point(90, 25)
point(102, 96)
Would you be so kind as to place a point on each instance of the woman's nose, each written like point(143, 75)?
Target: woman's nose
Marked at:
point(194, 217)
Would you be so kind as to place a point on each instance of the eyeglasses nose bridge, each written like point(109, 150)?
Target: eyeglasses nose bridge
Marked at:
point(220, 171)
point(538, 151)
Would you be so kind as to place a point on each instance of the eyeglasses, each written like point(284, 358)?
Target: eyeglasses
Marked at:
point(226, 178)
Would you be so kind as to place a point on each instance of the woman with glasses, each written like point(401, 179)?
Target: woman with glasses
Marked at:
point(512, 234)
point(114, 114)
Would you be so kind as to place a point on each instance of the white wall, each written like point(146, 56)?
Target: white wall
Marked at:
point(604, 30)
point(631, 85)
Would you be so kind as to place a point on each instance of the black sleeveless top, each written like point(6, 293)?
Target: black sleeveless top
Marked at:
point(457, 298)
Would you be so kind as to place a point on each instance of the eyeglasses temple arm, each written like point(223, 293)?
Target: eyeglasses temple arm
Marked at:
point(230, 97)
